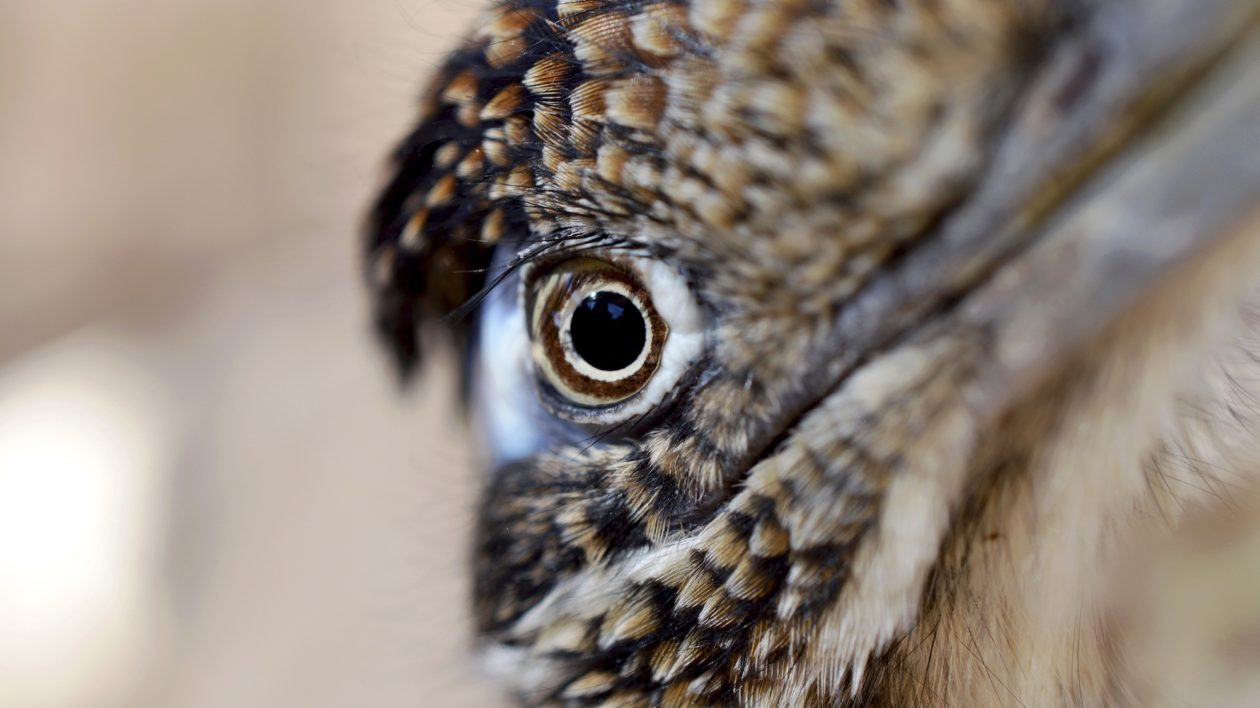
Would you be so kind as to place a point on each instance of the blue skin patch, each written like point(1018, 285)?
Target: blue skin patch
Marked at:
point(507, 410)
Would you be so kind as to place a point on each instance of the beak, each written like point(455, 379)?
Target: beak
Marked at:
point(1137, 151)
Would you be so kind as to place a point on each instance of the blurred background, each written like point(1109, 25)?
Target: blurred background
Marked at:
point(211, 491)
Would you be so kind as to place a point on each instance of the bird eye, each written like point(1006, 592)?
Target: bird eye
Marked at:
point(610, 337)
point(596, 336)
point(608, 332)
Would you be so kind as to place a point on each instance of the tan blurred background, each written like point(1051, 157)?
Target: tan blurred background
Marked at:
point(211, 492)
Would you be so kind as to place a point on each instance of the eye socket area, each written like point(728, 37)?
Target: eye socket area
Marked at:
point(597, 337)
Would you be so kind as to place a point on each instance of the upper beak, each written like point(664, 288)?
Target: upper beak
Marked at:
point(1137, 150)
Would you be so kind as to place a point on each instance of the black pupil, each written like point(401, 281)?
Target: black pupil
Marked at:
point(608, 331)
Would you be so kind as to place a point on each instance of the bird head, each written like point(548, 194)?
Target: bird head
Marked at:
point(770, 311)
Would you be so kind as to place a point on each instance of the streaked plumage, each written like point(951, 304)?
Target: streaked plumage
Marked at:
point(909, 418)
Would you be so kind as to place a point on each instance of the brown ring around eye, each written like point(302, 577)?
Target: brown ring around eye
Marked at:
point(554, 298)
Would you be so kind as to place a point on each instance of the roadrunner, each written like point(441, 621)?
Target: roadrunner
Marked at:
point(835, 352)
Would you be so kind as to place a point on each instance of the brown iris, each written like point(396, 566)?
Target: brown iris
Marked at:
point(596, 337)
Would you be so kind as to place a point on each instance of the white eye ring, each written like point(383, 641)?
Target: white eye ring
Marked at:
point(672, 335)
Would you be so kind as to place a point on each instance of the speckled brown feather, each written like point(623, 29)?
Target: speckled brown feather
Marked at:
point(783, 155)
point(703, 126)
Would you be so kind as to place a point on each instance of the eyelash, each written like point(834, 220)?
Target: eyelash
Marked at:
point(548, 252)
